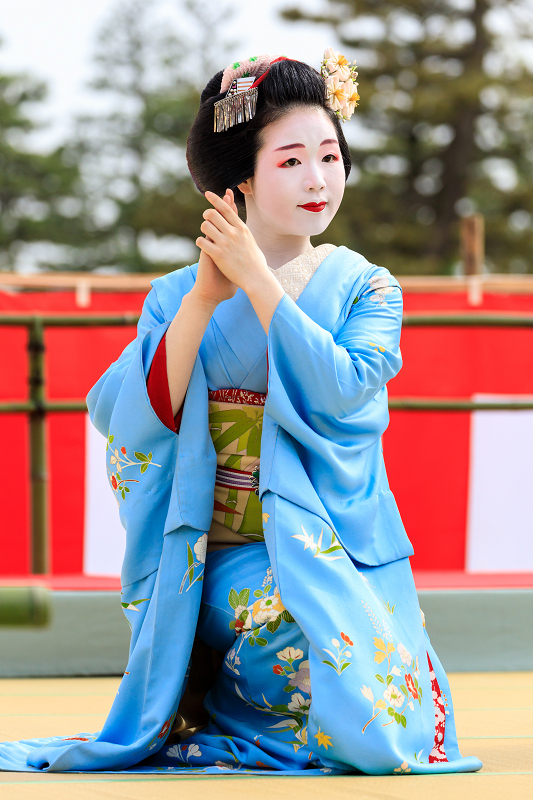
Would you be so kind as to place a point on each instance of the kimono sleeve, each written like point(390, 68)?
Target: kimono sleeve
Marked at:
point(102, 397)
point(326, 376)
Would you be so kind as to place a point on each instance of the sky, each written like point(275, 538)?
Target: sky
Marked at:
point(54, 41)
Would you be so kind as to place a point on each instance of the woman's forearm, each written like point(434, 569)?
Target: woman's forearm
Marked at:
point(264, 293)
point(183, 339)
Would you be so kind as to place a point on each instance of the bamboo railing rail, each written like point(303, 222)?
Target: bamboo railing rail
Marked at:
point(37, 405)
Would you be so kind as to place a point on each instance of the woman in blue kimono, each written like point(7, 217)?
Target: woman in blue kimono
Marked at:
point(244, 430)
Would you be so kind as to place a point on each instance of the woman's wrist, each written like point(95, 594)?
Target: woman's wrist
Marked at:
point(202, 305)
point(265, 294)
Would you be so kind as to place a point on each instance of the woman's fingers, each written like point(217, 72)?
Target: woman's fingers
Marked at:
point(225, 210)
point(215, 218)
point(229, 197)
point(206, 245)
point(211, 231)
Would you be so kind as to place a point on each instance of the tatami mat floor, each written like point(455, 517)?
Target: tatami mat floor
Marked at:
point(494, 713)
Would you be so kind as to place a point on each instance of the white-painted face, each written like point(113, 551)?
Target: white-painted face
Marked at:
point(299, 177)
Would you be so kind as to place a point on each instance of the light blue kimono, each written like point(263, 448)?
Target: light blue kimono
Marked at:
point(337, 548)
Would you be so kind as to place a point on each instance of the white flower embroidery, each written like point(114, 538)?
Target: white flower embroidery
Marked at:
point(368, 693)
point(290, 654)
point(379, 286)
point(396, 671)
point(200, 548)
point(404, 654)
point(194, 750)
point(174, 751)
point(266, 611)
point(393, 696)
point(298, 703)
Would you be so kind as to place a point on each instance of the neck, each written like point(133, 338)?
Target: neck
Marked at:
point(278, 248)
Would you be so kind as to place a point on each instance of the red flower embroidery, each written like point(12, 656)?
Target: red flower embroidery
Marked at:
point(346, 639)
point(114, 483)
point(409, 682)
point(278, 670)
point(75, 738)
point(164, 730)
point(239, 624)
point(123, 451)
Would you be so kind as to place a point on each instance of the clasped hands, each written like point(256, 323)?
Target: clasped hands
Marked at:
point(230, 244)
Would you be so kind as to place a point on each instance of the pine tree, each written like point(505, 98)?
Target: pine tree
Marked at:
point(445, 128)
point(132, 158)
point(38, 192)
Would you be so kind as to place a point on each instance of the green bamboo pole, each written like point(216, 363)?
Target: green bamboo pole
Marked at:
point(24, 605)
point(40, 561)
point(25, 407)
point(71, 321)
point(451, 320)
point(455, 404)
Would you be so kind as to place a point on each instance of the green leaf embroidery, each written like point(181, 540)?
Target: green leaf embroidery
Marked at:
point(261, 642)
point(233, 598)
point(403, 721)
point(348, 664)
point(404, 690)
point(144, 467)
point(140, 456)
point(329, 664)
point(331, 549)
point(380, 679)
point(190, 557)
point(286, 616)
point(274, 624)
point(258, 593)
point(244, 595)
point(389, 680)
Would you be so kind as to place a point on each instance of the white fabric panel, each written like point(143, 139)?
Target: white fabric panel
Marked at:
point(500, 507)
point(105, 538)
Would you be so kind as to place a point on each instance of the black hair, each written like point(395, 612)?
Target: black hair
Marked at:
point(220, 161)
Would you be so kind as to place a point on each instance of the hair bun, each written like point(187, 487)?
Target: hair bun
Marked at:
point(213, 87)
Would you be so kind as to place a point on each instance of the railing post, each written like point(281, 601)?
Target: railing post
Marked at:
point(38, 461)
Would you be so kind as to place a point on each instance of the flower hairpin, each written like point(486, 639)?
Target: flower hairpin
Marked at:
point(339, 75)
point(241, 79)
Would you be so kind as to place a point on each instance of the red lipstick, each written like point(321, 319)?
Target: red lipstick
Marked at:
point(314, 206)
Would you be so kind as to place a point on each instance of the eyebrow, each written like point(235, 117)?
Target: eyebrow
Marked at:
point(290, 146)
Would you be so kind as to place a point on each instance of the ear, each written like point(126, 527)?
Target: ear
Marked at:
point(246, 186)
